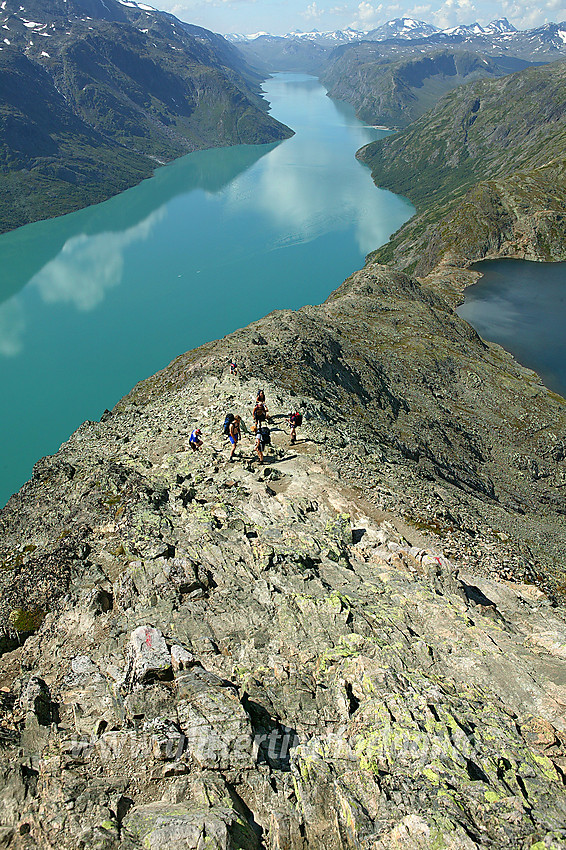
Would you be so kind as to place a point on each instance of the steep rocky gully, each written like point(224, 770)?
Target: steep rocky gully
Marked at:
point(359, 644)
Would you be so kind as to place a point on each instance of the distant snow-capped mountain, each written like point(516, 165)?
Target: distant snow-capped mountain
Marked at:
point(324, 38)
point(405, 28)
point(336, 37)
point(499, 27)
point(500, 34)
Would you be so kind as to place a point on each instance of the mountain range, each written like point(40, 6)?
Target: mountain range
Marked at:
point(499, 35)
point(403, 28)
point(394, 74)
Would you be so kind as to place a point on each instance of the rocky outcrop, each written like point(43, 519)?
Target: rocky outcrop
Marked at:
point(357, 644)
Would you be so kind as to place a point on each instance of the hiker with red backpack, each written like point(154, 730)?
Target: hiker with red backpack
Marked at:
point(295, 421)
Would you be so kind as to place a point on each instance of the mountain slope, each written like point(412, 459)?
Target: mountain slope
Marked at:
point(285, 53)
point(125, 87)
point(395, 92)
point(503, 142)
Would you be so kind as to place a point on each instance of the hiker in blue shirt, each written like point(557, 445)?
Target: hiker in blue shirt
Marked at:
point(195, 441)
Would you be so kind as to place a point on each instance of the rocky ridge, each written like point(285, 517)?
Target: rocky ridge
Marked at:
point(359, 644)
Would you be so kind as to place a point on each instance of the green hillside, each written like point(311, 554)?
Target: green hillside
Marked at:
point(390, 90)
point(489, 155)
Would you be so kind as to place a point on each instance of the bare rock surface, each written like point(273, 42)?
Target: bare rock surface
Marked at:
point(359, 643)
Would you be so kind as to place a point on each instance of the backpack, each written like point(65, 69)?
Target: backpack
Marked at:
point(296, 419)
point(264, 436)
point(227, 422)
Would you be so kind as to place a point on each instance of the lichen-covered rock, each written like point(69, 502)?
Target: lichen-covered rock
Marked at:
point(217, 729)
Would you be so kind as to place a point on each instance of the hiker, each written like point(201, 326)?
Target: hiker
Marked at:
point(195, 441)
point(233, 368)
point(234, 435)
point(227, 422)
point(259, 414)
point(262, 439)
point(295, 421)
point(260, 397)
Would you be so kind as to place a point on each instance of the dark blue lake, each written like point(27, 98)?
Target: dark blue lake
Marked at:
point(92, 302)
point(522, 306)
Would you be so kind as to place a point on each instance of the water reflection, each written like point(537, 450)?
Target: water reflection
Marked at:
point(12, 327)
point(86, 267)
point(24, 252)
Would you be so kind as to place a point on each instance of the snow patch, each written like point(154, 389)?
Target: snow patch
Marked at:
point(141, 6)
point(6, 41)
point(43, 53)
point(562, 34)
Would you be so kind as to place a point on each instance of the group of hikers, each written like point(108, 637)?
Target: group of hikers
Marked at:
point(232, 428)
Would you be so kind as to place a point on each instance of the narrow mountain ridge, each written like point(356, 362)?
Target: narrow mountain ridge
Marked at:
point(344, 647)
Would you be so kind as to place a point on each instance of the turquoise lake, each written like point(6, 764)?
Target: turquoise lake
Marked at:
point(522, 306)
point(92, 302)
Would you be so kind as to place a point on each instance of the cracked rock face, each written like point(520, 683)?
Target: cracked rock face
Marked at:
point(338, 648)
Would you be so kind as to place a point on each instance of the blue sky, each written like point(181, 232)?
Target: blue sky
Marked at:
point(281, 16)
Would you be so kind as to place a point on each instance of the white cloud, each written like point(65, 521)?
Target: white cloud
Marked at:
point(526, 18)
point(421, 13)
point(312, 12)
point(453, 12)
point(369, 16)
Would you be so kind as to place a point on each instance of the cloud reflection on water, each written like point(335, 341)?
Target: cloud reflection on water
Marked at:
point(12, 327)
point(88, 266)
point(81, 274)
point(303, 204)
